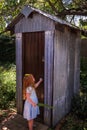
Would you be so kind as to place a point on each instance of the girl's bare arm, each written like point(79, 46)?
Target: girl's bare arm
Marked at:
point(38, 83)
point(30, 100)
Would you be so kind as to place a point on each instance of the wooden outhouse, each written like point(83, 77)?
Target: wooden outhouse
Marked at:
point(47, 47)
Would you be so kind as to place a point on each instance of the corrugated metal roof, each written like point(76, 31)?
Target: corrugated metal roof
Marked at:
point(27, 10)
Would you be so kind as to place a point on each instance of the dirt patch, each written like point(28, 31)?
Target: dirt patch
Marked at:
point(7, 114)
point(10, 120)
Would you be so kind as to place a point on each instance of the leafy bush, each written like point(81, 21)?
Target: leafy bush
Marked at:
point(7, 85)
point(77, 127)
point(79, 106)
point(83, 80)
point(7, 71)
point(72, 122)
point(7, 48)
point(83, 75)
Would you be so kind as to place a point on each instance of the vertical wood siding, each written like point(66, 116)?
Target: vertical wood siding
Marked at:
point(49, 40)
point(64, 72)
point(19, 72)
point(71, 36)
point(36, 23)
point(77, 64)
point(60, 75)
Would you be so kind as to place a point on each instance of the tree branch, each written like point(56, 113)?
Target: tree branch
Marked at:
point(78, 11)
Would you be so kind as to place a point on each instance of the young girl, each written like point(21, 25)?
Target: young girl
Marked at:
point(31, 110)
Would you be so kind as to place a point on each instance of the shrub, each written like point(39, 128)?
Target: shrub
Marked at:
point(79, 106)
point(7, 85)
point(83, 81)
point(83, 75)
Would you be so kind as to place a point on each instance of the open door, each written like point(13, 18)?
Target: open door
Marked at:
point(33, 61)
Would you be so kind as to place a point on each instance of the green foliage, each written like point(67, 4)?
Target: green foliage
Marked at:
point(5, 39)
point(45, 105)
point(83, 75)
point(7, 72)
point(79, 106)
point(83, 24)
point(10, 8)
point(7, 48)
point(75, 4)
point(77, 127)
point(79, 102)
point(71, 122)
point(7, 85)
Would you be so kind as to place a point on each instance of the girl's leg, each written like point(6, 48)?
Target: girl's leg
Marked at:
point(30, 124)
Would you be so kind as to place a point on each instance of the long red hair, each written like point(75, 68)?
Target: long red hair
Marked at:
point(28, 80)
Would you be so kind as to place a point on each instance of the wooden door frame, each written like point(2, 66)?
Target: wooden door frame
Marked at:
point(48, 77)
point(19, 97)
point(48, 74)
point(32, 49)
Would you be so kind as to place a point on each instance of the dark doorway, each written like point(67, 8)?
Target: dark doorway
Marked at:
point(33, 60)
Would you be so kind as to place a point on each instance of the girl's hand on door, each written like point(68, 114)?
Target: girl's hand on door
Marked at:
point(40, 79)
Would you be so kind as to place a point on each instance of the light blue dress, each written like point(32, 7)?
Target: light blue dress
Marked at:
point(31, 112)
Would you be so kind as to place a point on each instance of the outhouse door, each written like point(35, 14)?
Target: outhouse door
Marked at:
point(33, 60)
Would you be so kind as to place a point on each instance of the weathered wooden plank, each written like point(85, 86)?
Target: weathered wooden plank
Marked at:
point(37, 23)
point(77, 64)
point(60, 76)
point(19, 72)
point(70, 67)
point(59, 27)
point(64, 72)
point(48, 78)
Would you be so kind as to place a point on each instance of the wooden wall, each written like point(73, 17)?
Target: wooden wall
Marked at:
point(84, 47)
point(65, 69)
point(48, 77)
point(35, 23)
point(60, 78)
point(77, 63)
